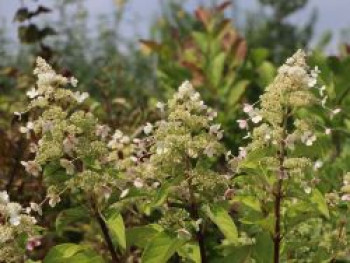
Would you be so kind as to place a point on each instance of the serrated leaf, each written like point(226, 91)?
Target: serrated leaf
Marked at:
point(224, 222)
point(138, 236)
point(116, 226)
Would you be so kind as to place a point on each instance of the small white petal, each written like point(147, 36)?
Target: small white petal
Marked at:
point(15, 220)
point(247, 108)
point(148, 128)
point(256, 119)
point(138, 183)
point(124, 193)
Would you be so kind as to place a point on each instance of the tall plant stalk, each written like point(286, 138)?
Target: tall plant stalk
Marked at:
point(279, 192)
point(105, 231)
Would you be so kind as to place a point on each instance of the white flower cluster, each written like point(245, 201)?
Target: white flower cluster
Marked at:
point(13, 212)
point(49, 80)
point(290, 90)
point(179, 144)
point(119, 140)
point(15, 221)
point(69, 140)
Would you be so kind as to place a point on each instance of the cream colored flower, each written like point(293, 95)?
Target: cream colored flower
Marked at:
point(32, 167)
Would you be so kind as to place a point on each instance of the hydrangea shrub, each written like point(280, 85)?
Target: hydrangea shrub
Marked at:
point(171, 192)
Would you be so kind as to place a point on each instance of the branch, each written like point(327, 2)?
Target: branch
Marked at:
point(105, 231)
point(278, 193)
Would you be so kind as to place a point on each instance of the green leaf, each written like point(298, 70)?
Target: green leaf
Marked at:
point(224, 222)
point(237, 91)
point(63, 251)
point(191, 252)
point(69, 216)
point(216, 69)
point(318, 199)
point(88, 256)
point(263, 249)
point(161, 195)
point(250, 201)
point(236, 255)
point(72, 253)
point(161, 248)
point(138, 236)
point(116, 226)
point(201, 41)
point(267, 72)
point(54, 174)
point(268, 223)
point(259, 55)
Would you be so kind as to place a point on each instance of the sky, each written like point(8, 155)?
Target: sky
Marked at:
point(333, 15)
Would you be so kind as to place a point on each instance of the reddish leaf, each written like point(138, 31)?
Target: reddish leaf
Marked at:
point(347, 48)
point(241, 50)
point(203, 15)
point(229, 39)
point(223, 6)
point(223, 27)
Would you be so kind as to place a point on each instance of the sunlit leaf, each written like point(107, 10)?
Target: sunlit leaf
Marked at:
point(224, 222)
point(161, 248)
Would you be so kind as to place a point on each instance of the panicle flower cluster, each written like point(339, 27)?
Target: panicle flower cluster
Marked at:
point(182, 149)
point(184, 139)
point(75, 150)
point(291, 89)
point(278, 172)
point(15, 224)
